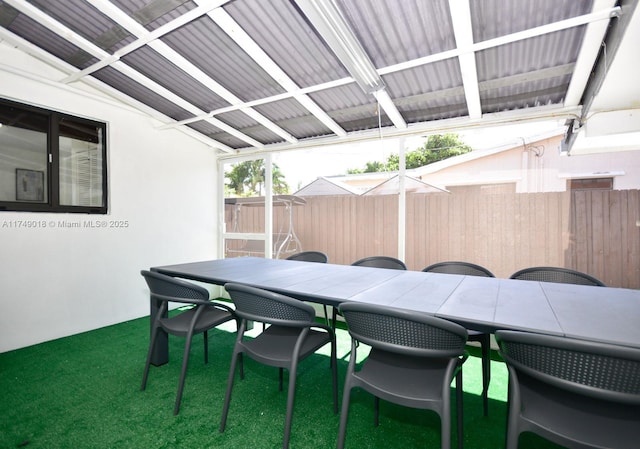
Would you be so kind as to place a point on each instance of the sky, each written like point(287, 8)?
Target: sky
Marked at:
point(303, 167)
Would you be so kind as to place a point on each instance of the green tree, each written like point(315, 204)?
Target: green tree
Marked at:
point(437, 147)
point(370, 167)
point(247, 179)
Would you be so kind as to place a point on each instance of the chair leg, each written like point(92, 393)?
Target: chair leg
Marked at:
point(334, 375)
point(459, 410)
point(152, 342)
point(513, 409)
point(344, 415)
point(206, 347)
point(376, 411)
point(183, 373)
point(485, 346)
point(291, 395)
point(241, 360)
point(227, 396)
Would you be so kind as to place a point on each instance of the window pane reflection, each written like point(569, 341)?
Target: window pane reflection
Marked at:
point(81, 149)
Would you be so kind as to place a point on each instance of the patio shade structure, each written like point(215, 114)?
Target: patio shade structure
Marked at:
point(247, 75)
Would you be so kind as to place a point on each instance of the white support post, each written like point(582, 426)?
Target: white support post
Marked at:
point(268, 206)
point(402, 199)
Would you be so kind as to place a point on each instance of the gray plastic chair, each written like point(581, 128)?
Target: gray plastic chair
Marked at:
point(575, 393)
point(414, 357)
point(310, 256)
point(203, 316)
point(292, 336)
point(380, 262)
point(556, 274)
point(376, 262)
point(470, 269)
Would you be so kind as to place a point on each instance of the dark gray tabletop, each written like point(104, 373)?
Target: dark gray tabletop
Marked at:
point(603, 314)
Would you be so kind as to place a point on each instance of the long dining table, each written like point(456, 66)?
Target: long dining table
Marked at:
point(601, 314)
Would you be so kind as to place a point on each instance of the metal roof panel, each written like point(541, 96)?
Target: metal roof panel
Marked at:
point(165, 73)
point(210, 49)
point(411, 43)
point(135, 90)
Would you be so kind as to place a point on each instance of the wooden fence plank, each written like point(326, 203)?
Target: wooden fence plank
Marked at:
point(591, 231)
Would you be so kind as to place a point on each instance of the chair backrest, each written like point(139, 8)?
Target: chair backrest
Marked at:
point(164, 287)
point(455, 267)
point(556, 274)
point(256, 304)
point(592, 369)
point(310, 256)
point(403, 331)
point(381, 262)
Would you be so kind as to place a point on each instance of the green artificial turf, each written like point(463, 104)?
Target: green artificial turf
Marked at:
point(84, 392)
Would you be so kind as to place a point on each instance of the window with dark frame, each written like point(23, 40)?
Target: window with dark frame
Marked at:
point(591, 184)
point(51, 162)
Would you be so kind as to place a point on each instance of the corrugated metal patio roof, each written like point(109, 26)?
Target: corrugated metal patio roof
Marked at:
point(254, 75)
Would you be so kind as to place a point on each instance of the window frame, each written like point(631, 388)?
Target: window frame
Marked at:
point(592, 183)
point(53, 165)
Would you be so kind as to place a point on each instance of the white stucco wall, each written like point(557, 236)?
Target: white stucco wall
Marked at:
point(56, 280)
point(541, 168)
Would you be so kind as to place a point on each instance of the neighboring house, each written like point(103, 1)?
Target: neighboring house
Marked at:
point(535, 165)
point(411, 185)
point(326, 186)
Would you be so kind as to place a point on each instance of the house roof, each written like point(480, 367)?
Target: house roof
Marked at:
point(326, 186)
point(482, 153)
point(246, 76)
point(411, 185)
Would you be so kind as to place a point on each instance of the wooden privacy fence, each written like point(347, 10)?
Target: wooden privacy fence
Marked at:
point(595, 231)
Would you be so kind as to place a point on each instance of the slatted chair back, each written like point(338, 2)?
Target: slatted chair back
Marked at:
point(310, 256)
point(381, 262)
point(456, 267)
point(558, 275)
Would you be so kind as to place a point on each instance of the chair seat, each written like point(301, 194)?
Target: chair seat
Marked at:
point(576, 393)
point(471, 269)
point(290, 334)
point(595, 425)
point(412, 361)
point(201, 315)
point(275, 345)
point(406, 380)
point(210, 317)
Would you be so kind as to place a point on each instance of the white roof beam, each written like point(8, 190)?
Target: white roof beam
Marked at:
point(527, 115)
point(588, 54)
point(167, 94)
point(271, 99)
point(92, 49)
point(604, 14)
point(57, 27)
point(233, 29)
point(601, 15)
point(462, 30)
point(179, 61)
point(389, 107)
point(201, 10)
point(121, 99)
point(329, 21)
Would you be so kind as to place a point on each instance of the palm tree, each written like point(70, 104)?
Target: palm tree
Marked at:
point(247, 179)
